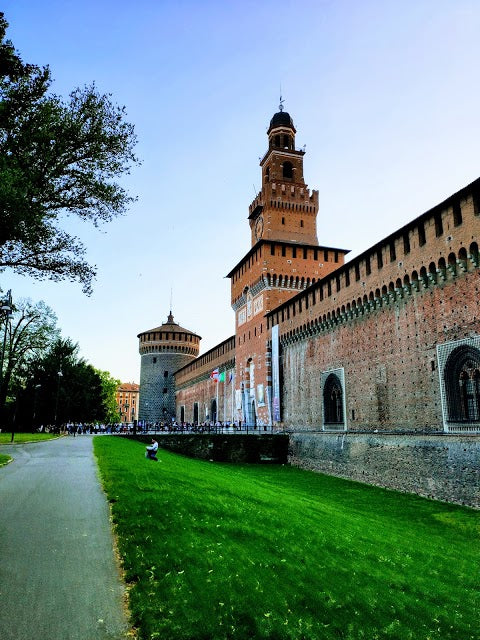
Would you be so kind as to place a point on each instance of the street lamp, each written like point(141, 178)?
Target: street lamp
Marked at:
point(5, 312)
point(60, 375)
point(35, 402)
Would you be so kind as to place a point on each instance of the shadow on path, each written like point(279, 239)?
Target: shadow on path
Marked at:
point(58, 576)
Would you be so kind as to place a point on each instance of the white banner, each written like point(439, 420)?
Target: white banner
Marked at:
point(275, 375)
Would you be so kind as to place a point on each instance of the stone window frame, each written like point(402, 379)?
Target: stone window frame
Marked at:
point(444, 351)
point(339, 372)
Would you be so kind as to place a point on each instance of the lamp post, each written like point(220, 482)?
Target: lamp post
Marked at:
point(60, 375)
point(6, 312)
point(35, 401)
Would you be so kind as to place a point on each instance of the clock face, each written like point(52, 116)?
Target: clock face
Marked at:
point(259, 228)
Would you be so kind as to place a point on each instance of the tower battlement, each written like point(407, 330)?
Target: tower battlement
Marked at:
point(284, 195)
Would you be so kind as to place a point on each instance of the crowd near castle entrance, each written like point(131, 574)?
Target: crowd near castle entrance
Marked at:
point(372, 365)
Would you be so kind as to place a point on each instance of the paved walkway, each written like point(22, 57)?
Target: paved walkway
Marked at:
point(58, 577)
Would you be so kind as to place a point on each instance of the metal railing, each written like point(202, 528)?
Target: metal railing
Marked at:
point(220, 429)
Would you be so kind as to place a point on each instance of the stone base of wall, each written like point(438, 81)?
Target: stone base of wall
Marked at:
point(443, 467)
point(226, 448)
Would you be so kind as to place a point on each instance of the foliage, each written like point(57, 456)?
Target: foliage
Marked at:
point(44, 380)
point(57, 157)
point(29, 331)
point(62, 388)
point(109, 400)
point(220, 551)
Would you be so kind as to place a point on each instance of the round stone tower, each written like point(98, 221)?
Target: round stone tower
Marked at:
point(163, 351)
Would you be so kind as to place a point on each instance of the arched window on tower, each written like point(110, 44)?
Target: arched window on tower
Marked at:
point(462, 384)
point(287, 170)
point(267, 174)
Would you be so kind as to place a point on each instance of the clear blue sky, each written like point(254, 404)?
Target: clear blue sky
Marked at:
point(385, 94)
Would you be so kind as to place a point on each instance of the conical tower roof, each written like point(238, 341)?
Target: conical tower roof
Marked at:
point(170, 325)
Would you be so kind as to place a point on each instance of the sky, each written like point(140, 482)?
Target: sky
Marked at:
point(383, 93)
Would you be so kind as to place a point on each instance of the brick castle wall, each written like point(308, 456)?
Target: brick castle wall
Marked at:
point(380, 318)
point(196, 388)
point(389, 361)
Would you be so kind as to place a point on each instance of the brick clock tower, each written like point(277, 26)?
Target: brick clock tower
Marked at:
point(284, 258)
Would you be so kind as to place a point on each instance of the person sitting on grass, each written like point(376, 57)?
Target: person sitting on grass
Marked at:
point(152, 450)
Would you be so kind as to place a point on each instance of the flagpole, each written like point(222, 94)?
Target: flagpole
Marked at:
point(224, 384)
point(218, 382)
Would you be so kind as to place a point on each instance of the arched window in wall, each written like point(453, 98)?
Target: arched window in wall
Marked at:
point(462, 384)
point(213, 410)
point(333, 400)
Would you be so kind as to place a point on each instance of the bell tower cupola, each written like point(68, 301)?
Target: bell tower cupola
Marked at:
point(284, 210)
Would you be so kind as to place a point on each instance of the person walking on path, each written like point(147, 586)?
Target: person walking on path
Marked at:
point(58, 574)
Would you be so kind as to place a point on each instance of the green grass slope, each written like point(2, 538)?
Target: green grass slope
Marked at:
point(220, 551)
point(22, 438)
point(4, 459)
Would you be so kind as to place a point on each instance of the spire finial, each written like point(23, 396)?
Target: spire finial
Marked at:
point(281, 100)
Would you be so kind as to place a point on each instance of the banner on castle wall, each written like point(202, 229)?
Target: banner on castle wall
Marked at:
point(275, 375)
point(260, 395)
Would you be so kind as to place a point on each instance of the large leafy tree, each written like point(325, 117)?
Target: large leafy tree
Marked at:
point(27, 335)
point(62, 387)
point(57, 157)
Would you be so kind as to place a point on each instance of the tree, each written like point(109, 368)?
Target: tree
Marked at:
point(57, 158)
point(29, 332)
point(109, 397)
point(62, 387)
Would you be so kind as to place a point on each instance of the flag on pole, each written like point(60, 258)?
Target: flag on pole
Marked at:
point(230, 377)
point(221, 377)
point(214, 375)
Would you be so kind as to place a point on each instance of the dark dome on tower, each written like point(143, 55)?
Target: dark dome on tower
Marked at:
point(281, 119)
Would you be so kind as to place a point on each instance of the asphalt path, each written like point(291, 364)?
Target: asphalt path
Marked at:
point(58, 576)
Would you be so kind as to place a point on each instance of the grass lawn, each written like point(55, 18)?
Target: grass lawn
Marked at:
point(221, 551)
point(4, 459)
point(21, 438)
